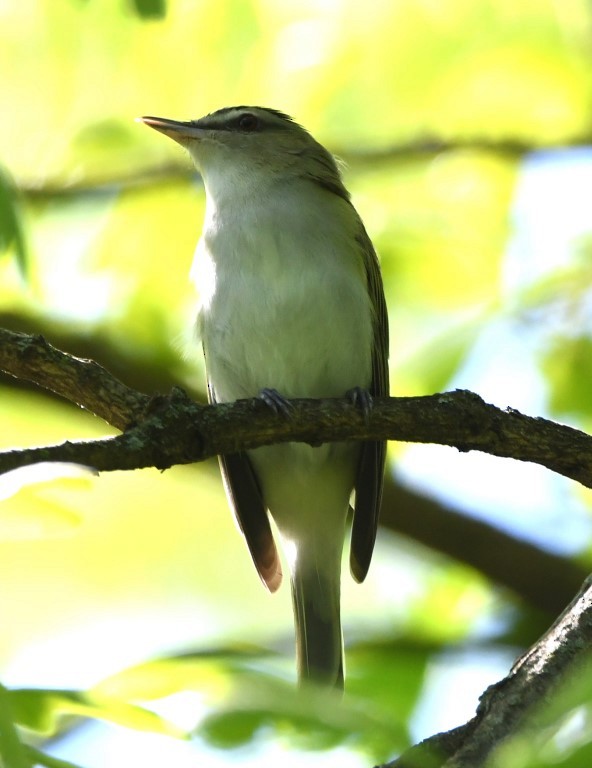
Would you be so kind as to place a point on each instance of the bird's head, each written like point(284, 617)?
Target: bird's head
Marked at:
point(251, 145)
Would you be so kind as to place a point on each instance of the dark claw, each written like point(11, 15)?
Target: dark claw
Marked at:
point(362, 399)
point(278, 403)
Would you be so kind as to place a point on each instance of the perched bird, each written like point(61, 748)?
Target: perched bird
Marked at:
point(291, 305)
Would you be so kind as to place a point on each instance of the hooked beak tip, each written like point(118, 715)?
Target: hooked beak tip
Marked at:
point(159, 123)
point(175, 129)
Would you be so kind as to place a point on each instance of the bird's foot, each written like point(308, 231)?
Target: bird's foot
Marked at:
point(362, 399)
point(276, 401)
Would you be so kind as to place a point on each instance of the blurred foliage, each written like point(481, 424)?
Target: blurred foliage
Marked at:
point(39, 710)
point(11, 226)
point(98, 221)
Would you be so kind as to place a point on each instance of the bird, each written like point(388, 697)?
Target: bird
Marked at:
point(291, 305)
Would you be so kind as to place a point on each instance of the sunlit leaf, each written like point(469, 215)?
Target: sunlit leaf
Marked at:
point(40, 710)
point(30, 499)
point(12, 751)
point(568, 365)
point(206, 673)
point(12, 233)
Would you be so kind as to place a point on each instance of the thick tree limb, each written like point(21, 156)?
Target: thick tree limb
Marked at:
point(521, 700)
point(164, 431)
point(83, 382)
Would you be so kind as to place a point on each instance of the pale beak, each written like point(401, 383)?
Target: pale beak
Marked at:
point(175, 129)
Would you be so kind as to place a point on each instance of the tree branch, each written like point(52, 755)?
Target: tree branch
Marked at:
point(519, 702)
point(80, 381)
point(163, 431)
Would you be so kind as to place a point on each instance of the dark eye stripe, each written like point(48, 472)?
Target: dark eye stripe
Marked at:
point(227, 119)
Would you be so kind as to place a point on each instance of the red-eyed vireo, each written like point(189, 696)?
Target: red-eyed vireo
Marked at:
point(291, 305)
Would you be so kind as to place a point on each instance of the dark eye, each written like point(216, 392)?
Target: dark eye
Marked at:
point(248, 123)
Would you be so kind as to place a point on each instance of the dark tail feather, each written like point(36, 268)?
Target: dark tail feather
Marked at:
point(319, 642)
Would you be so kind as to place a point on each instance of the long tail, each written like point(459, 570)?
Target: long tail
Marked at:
point(319, 642)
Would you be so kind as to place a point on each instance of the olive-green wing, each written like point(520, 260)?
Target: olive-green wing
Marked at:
point(370, 473)
point(244, 496)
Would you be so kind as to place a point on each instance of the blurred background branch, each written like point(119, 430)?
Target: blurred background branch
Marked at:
point(421, 149)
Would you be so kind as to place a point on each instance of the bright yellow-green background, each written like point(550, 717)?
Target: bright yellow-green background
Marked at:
point(148, 563)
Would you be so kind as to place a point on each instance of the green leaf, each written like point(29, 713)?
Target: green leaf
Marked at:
point(40, 710)
point(149, 9)
point(11, 225)
point(243, 701)
point(27, 508)
point(567, 364)
point(12, 751)
point(209, 673)
point(309, 718)
point(391, 674)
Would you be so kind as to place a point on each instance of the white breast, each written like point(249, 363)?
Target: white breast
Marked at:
point(283, 296)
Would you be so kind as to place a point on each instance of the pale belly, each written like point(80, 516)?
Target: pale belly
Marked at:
point(298, 320)
point(305, 344)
